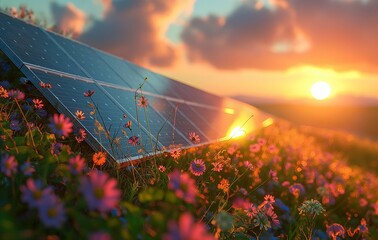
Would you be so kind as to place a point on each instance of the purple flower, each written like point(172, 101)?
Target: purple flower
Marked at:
point(197, 167)
point(100, 191)
point(16, 94)
point(33, 193)
point(15, 125)
point(100, 236)
point(187, 229)
point(56, 147)
point(76, 165)
point(335, 230)
point(27, 168)
point(297, 190)
point(184, 187)
point(51, 211)
point(8, 165)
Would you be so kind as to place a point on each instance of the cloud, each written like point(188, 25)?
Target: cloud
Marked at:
point(68, 18)
point(134, 30)
point(281, 34)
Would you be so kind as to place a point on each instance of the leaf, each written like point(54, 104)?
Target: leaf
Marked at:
point(151, 195)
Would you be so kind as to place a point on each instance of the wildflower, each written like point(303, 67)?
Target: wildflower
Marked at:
point(311, 208)
point(268, 201)
point(45, 85)
point(128, 125)
point(224, 185)
point(272, 217)
point(56, 147)
point(363, 226)
point(273, 175)
point(262, 221)
point(197, 167)
point(33, 193)
point(175, 151)
point(9, 165)
point(186, 228)
point(38, 104)
point(100, 236)
point(254, 148)
point(297, 190)
point(251, 210)
point(99, 158)
point(88, 93)
point(142, 101)
point(60, 125)
point(76, 164)
point(194, 137)
point(248, 165)
point(335, 230)
point(100, 191)
point(161, 168)
point(51, 211)
point(183, 185)
point(16, 94)
point(3, 92)
point(217, 166)
point(27, 168)
point(80, 115)
point(15, 125)
point(134, 140)
point(80, 137)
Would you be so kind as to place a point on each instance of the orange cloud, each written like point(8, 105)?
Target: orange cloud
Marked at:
point(68, 19)
point(326, 33)
point(135, 30)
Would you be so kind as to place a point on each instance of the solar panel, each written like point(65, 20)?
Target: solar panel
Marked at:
point(175, 109)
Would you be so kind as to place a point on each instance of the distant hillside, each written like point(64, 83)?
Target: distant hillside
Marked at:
point(355, 115)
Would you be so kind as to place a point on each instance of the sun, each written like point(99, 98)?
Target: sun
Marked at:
point(320, 90)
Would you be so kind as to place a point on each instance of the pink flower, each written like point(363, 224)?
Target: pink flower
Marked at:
point(38, 104)
point(194, 137)
point(76, 164)
point(251, 210)
point(100, 236)
point(161, 168)
point(134, 140)
point(80, 137)
point(9, 165)
point(184, 187)
point(16, 94)
point(272, 217)
point(60, 125)
point(217, 166)
point(88, 93)
point(142, 102)
point(197, 167)
point(187, 229)
point(254, 148)
point(175, 151)
point(100, 191)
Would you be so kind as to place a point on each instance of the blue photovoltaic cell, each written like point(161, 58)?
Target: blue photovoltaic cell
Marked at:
point(70, 93)
point(180, 121)
point(32, 45)
point(87, 58)
point(160, 128)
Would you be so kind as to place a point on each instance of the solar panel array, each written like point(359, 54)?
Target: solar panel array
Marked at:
point(72, 68)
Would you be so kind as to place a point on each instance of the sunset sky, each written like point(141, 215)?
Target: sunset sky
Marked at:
point(266, 48)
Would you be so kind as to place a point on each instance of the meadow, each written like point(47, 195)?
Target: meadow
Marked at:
point(282, 182)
